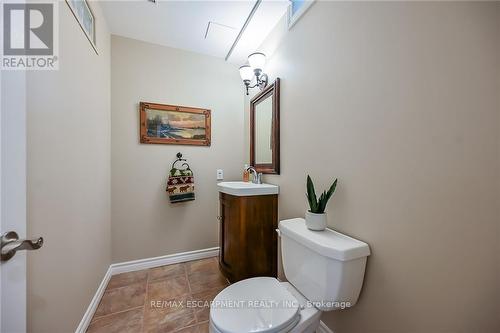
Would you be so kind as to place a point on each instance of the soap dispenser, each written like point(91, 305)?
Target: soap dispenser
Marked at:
point(246, 174)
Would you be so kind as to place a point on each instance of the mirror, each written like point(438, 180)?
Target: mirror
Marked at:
point(264, 130)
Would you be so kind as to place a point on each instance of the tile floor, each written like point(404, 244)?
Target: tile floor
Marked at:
point(160, 299)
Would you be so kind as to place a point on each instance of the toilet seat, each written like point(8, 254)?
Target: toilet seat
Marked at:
point(260, 305)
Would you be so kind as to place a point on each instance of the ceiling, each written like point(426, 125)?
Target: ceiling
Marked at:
point(207, 27)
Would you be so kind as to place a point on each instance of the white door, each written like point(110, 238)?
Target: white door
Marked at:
point(13, 201)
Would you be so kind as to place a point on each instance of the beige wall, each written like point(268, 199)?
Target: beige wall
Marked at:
point(68, 123)
point(400, 102)
point(144, 223)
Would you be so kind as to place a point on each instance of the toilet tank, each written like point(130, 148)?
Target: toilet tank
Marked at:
point(327, 267)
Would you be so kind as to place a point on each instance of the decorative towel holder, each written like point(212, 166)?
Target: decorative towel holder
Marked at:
point(180, 159)
point(180, 182)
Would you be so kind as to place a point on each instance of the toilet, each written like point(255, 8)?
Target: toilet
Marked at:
point(324, 269)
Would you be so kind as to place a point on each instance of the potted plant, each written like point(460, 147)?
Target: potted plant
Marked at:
point(316, 216)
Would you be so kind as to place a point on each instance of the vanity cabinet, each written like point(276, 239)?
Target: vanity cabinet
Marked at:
point(248, 239)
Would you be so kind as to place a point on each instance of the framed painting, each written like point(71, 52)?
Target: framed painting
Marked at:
point(173, 124)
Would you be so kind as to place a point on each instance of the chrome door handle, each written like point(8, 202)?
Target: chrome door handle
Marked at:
point(10, 244)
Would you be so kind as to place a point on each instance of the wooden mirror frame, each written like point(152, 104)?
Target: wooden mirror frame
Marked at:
point(274, 91)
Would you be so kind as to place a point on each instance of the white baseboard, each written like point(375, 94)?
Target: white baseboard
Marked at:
point(87, 317)
point(323, 328)
point(137, 265)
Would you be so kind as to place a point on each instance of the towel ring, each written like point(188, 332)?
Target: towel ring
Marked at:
point(180, 159)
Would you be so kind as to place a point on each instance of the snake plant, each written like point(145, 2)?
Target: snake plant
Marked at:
point(318, 206)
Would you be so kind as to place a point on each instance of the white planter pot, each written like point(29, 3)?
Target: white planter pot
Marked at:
point(315, 222)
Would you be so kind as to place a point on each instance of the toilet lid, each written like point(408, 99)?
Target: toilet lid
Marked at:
point(259, 304)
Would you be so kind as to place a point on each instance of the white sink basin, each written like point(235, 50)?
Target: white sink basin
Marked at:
point(243, 189)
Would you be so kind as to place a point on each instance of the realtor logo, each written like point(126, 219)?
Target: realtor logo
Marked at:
point(29, 35)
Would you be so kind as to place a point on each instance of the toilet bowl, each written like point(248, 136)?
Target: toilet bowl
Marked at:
point(262, 304)
point(325, 270)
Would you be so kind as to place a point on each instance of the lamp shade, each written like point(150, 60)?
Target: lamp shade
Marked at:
point(246, 73)
point(257, 60)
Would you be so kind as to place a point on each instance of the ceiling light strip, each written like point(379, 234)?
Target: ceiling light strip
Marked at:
point(249, 18)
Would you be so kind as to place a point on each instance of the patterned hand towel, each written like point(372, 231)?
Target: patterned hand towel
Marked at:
point(180, 185)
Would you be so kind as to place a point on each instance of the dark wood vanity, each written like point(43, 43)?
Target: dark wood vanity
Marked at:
point(248, 239)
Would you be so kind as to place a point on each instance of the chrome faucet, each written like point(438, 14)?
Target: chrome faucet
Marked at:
point(257, 176)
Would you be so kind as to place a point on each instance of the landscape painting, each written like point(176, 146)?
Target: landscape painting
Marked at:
point(172, 124)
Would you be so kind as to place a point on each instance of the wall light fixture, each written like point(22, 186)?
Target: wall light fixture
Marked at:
point(255, 68)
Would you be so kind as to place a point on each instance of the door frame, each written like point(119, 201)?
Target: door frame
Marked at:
point(13, 197)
